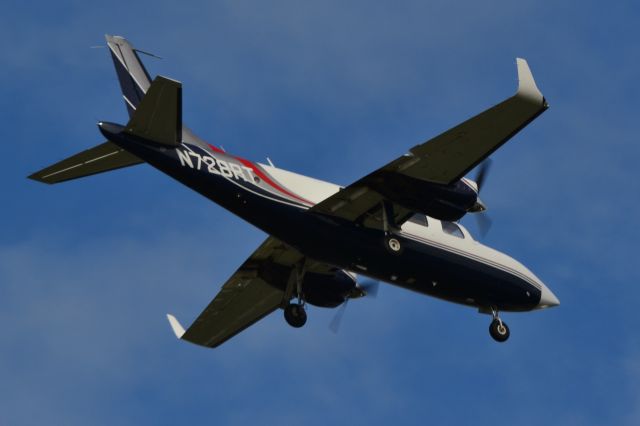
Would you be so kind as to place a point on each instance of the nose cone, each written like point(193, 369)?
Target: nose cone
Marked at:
point(547, 298)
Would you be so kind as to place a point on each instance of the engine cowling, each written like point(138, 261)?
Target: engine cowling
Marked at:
point(443, 202)
point(329, 291)
point(324, 290)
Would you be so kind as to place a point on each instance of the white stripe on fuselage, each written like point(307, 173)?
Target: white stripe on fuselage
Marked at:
point(433, 236)
point(306, 187)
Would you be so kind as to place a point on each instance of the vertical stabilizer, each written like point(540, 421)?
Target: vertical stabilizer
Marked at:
point(133, 77)
point(158, 118)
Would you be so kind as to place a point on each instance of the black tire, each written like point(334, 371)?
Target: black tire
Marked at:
point(499, 331)
point(295, 315)
point(393, 244)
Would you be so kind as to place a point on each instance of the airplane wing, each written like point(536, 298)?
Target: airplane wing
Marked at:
point(102, 158)
point(447, 157)
point(255, 290)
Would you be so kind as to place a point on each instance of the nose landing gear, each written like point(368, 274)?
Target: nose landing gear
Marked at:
point(498, 328)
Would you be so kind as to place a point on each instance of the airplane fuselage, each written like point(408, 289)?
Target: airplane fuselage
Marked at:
point(396, 224)
point(436, 260)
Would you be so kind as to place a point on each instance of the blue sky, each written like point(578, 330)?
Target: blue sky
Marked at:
point(330, 89)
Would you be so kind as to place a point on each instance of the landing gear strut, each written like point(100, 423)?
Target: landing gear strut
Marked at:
point(391, 242)
point(498, 328)
point(294, 313)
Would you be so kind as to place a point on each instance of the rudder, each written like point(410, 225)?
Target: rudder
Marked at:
point(132, 75)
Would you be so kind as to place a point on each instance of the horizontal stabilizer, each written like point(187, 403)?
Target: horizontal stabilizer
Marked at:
point(158, 118)
point(99, 159)
point(177, 328)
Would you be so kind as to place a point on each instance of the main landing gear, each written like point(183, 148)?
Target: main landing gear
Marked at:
point(391, 241)
point(498, 328)
point(294, 313)
point(392, 244)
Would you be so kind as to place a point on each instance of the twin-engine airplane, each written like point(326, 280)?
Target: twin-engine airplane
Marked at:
point(397, 224)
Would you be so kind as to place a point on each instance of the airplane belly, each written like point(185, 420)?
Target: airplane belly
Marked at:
point(423, 268)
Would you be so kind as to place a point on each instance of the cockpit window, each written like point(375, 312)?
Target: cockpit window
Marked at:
point(452, 229)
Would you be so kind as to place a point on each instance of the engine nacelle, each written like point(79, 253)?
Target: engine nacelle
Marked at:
point(328, 291)
point(324, 290)
point(443, 202)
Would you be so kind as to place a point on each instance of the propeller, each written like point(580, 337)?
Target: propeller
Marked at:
point(483, 220)
point(483, 172)
point(368, 288)
point(334, 325)
point(484, 224)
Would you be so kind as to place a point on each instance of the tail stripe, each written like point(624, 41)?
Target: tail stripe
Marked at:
point(131, 90)
point(130, 107)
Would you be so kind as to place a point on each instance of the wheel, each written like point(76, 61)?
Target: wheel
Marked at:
point(295, 315)
point(393, 244)
point(499, 330)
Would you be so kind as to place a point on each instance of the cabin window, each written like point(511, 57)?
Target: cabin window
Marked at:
point(452, 229)
point(419, 219)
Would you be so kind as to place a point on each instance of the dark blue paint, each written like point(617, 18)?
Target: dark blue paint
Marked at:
point(344, 244)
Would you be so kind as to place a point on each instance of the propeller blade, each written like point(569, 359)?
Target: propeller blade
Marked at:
point(484, 223)
point(337, 318)
point(482, 173)
point(370, 289)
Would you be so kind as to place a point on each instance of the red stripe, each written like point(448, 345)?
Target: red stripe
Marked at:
point(261, 175)
point(269, 181)
point(215, 148)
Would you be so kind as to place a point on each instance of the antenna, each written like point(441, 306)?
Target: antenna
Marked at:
point(148, 54)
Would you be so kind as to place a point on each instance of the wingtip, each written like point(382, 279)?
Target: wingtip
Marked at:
point(177, 328)
point(40, 177)
point(527, 87)
point(35, 178)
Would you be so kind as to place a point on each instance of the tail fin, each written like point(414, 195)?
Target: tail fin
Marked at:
point(154, 116)
point(159, 115)
point(134, 78)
